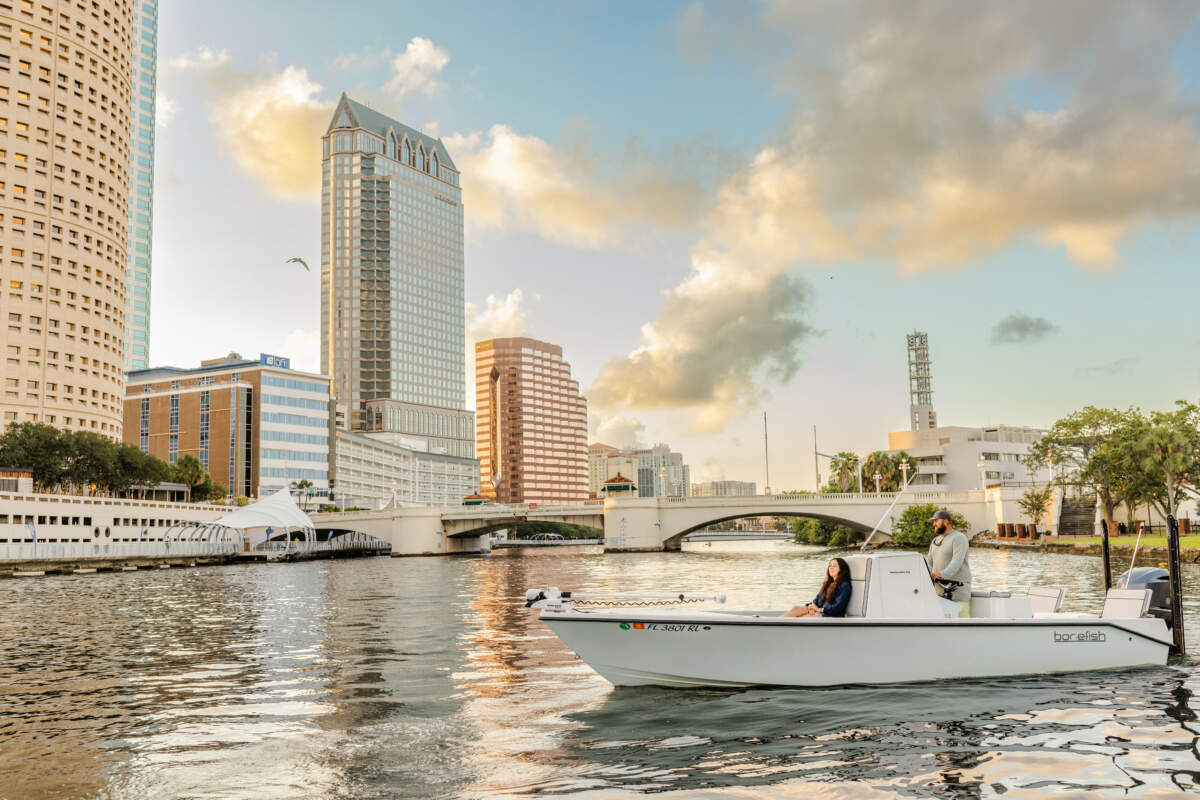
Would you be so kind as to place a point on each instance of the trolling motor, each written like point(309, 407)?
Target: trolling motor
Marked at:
point(1166, 586)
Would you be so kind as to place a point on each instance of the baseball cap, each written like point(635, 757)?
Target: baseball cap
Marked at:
point(943, 514)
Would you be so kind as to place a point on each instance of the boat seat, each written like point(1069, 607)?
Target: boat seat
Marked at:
point(1046, 599)
point(1126, 603)
point(858, 587)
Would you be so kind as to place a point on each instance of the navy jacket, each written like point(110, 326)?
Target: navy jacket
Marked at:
point(837, 606)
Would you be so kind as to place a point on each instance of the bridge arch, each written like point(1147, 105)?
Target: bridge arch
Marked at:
point(674, 541)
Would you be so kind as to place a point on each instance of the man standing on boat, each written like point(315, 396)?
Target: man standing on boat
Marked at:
point(948, 559)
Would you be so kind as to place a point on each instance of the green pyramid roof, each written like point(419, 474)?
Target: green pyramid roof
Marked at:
point(361, 116)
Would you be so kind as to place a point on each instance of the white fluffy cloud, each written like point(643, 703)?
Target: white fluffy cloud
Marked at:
point(621, 431)
point(910, 145)
point(416, 69)
point(499, 317)
point(515, 181)
point(164, 110)
point(200, 59)
point(272, 126)
point(303, 348)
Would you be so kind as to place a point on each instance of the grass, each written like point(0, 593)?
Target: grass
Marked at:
point(1147, 541)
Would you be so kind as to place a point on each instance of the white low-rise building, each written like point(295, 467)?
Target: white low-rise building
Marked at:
point(956, 458)
point(377, 469)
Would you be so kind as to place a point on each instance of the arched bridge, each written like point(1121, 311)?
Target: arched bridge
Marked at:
point(660, 523)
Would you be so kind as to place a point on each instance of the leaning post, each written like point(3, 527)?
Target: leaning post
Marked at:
point(1176, 585)
point(1105, 554)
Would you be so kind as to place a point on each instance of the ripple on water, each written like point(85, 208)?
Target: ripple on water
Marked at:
point(427, 678)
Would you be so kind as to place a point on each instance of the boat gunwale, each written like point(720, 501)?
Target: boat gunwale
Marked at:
point(856, 622)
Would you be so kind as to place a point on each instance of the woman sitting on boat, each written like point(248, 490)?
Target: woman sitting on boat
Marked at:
point(834, 596)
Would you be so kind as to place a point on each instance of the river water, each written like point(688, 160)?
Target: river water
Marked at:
point(426, 678)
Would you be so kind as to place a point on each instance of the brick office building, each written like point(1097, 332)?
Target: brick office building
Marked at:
point(256, 426)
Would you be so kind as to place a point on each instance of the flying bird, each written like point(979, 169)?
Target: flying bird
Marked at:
point(299, 261)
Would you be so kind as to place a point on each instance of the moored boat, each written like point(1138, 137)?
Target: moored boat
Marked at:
point(896, 629)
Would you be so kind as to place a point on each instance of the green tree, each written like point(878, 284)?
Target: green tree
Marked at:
point(93, 461)
point(914, 528)
point(888, 466)
point(821, 532)
point(1169, 449)
point(1036, 502)
point(844, 469)
point(1092, 447)
point(190, 472)
point(42, 449)
point(303, 490)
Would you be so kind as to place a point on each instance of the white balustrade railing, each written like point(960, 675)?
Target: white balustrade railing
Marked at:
point(52, 551)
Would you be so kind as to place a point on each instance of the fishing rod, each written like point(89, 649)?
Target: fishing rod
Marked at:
point(889, 511)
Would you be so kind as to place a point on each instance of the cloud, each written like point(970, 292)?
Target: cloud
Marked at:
point(621, 431)
point(204, 58)
point(1110, 370)
point(499, 317)
point(912, 140)
point(515, 181)
point(1022, 329)
point(165, 110)
point(718, 333)
point(304, 349)
point(909, 143)
point(272, 125)
point(415, 69)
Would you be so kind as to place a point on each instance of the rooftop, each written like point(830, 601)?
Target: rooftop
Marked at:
point(360, 116)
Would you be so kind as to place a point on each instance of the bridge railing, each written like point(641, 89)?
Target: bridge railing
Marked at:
point(831, 497)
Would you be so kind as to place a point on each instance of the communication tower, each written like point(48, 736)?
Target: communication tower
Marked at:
point(920, 382)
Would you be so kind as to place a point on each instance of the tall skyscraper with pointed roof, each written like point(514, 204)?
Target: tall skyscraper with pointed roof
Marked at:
point(392, 315)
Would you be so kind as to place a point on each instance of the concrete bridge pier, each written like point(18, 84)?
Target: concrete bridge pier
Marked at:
point(410, 531)
point(635, 526)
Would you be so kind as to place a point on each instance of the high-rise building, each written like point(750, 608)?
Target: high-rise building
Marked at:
point(65, 98)
point(956, 458)
point(143, 77)
point(379, 469)
point(605, 462)
point(725, 489)
point(662, 473)
point(920, 382)
point(256, 425)
point(531, 421)
point(392, 314)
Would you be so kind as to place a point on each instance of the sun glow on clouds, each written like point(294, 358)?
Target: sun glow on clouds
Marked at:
point(899, 153)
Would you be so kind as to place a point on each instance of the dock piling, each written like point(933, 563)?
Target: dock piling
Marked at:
point(1176, 585)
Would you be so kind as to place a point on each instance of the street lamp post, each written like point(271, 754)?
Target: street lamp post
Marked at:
point(904, 473)
point(877, 478)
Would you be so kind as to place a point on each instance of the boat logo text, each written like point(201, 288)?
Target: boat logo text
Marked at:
point(1081, 637)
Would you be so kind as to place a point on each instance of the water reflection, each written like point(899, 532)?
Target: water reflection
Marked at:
point(427, 678)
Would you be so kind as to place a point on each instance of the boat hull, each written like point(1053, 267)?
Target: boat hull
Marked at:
point(714, 649)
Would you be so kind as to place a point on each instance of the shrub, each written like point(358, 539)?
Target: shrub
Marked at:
point(915, 530)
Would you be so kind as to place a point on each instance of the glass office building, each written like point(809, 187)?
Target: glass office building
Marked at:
point(143, 77)
point(392, 317)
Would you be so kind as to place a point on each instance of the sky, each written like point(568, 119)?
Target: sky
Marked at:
point(724, 209)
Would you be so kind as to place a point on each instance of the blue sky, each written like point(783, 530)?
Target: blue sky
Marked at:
point(667, 165)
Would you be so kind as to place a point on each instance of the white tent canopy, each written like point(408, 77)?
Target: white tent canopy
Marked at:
point(277, 510)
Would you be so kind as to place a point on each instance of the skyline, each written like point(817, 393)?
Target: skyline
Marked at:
point(1031, 232)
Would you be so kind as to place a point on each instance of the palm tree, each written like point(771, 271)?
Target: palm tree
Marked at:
point(844, 469)
point(888, 466)
point(303, 488)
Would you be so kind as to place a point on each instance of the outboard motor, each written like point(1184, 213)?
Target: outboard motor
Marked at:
point(1158, 581)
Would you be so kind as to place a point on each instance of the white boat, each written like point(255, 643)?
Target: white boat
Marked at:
point(897, 629)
